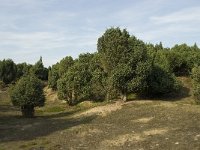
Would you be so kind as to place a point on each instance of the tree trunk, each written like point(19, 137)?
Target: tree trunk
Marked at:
point(27, 111)
point(107, 96)
point(124, 97)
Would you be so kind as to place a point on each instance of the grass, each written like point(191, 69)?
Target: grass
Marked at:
point(138, 124)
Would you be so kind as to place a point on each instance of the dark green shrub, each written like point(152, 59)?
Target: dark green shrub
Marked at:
point(27, 93)
point(160, 82)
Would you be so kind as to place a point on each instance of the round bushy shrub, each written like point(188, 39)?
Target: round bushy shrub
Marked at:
point(27, 93)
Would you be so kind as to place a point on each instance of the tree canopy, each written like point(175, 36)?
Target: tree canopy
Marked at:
point(27, 93)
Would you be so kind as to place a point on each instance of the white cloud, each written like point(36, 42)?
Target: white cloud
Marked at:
point(185, 15)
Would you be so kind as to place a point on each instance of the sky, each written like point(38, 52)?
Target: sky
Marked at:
point(54, 29)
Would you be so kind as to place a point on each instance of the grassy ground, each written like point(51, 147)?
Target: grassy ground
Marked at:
point(139, 124)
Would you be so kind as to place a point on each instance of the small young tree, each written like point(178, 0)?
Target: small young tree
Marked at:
point(27, 94)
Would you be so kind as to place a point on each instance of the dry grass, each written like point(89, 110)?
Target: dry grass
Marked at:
point(140, 124)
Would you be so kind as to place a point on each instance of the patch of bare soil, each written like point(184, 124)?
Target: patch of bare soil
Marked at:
point(101, 110)
point(158, 131)
point(143, 120)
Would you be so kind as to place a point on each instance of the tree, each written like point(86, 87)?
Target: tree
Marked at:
point(160, 79)
point(23, 69)
point(196, 83)
point(74, 86)
point(160, 82)
point(65, 64)
point(27, 94)
point(53, 76)
point(58, 70)
point(120, 75)
point(188, 57)
point(99, 79)
point(39, 70)
point(111, 46)
point(8, 71)
point(121, 55)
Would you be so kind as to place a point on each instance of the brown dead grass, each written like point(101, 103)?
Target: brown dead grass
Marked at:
point(141, 124)
point(50, 94)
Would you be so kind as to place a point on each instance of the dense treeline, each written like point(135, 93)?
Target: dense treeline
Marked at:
point(11, 72)
point(121, 66)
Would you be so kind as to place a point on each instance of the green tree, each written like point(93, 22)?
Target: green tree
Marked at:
point(39, 70)
point(196, 83)
point(53, 76)
point(98, 80)
point(27, 94)
point(160, 82)
point(121, 55)
point(8, 71)
point(65, 64)
point(58, 70)
point(186, 57)
point(74, 86)
point(23, 69)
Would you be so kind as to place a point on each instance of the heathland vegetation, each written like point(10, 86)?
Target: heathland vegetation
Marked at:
point(127, 95)
point(122, 66)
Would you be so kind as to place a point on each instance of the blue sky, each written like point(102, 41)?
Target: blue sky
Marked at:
point(54, 29)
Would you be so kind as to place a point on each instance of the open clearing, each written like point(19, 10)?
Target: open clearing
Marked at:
point(138, 125)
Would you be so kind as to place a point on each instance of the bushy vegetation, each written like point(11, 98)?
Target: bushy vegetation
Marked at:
point(11, 72)
point(8, 70)
point(39, 70)
point(27, 93)
point(58, 70)
point(196, 83)
point(121, 66)
point(179, 60)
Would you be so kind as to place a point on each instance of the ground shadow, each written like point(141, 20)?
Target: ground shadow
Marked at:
point(179, 95)
point(17, 128)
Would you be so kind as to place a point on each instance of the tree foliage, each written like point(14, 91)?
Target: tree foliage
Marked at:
point(58, 70)
point(8, 71)
point(74, 85)
point(121, 55)
point(53, 76)
point(39, 70)
point(160, 82)
point(122, 64)
point(196, 83)
point(65, 64)
point(23, 69)
point(27, 93)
